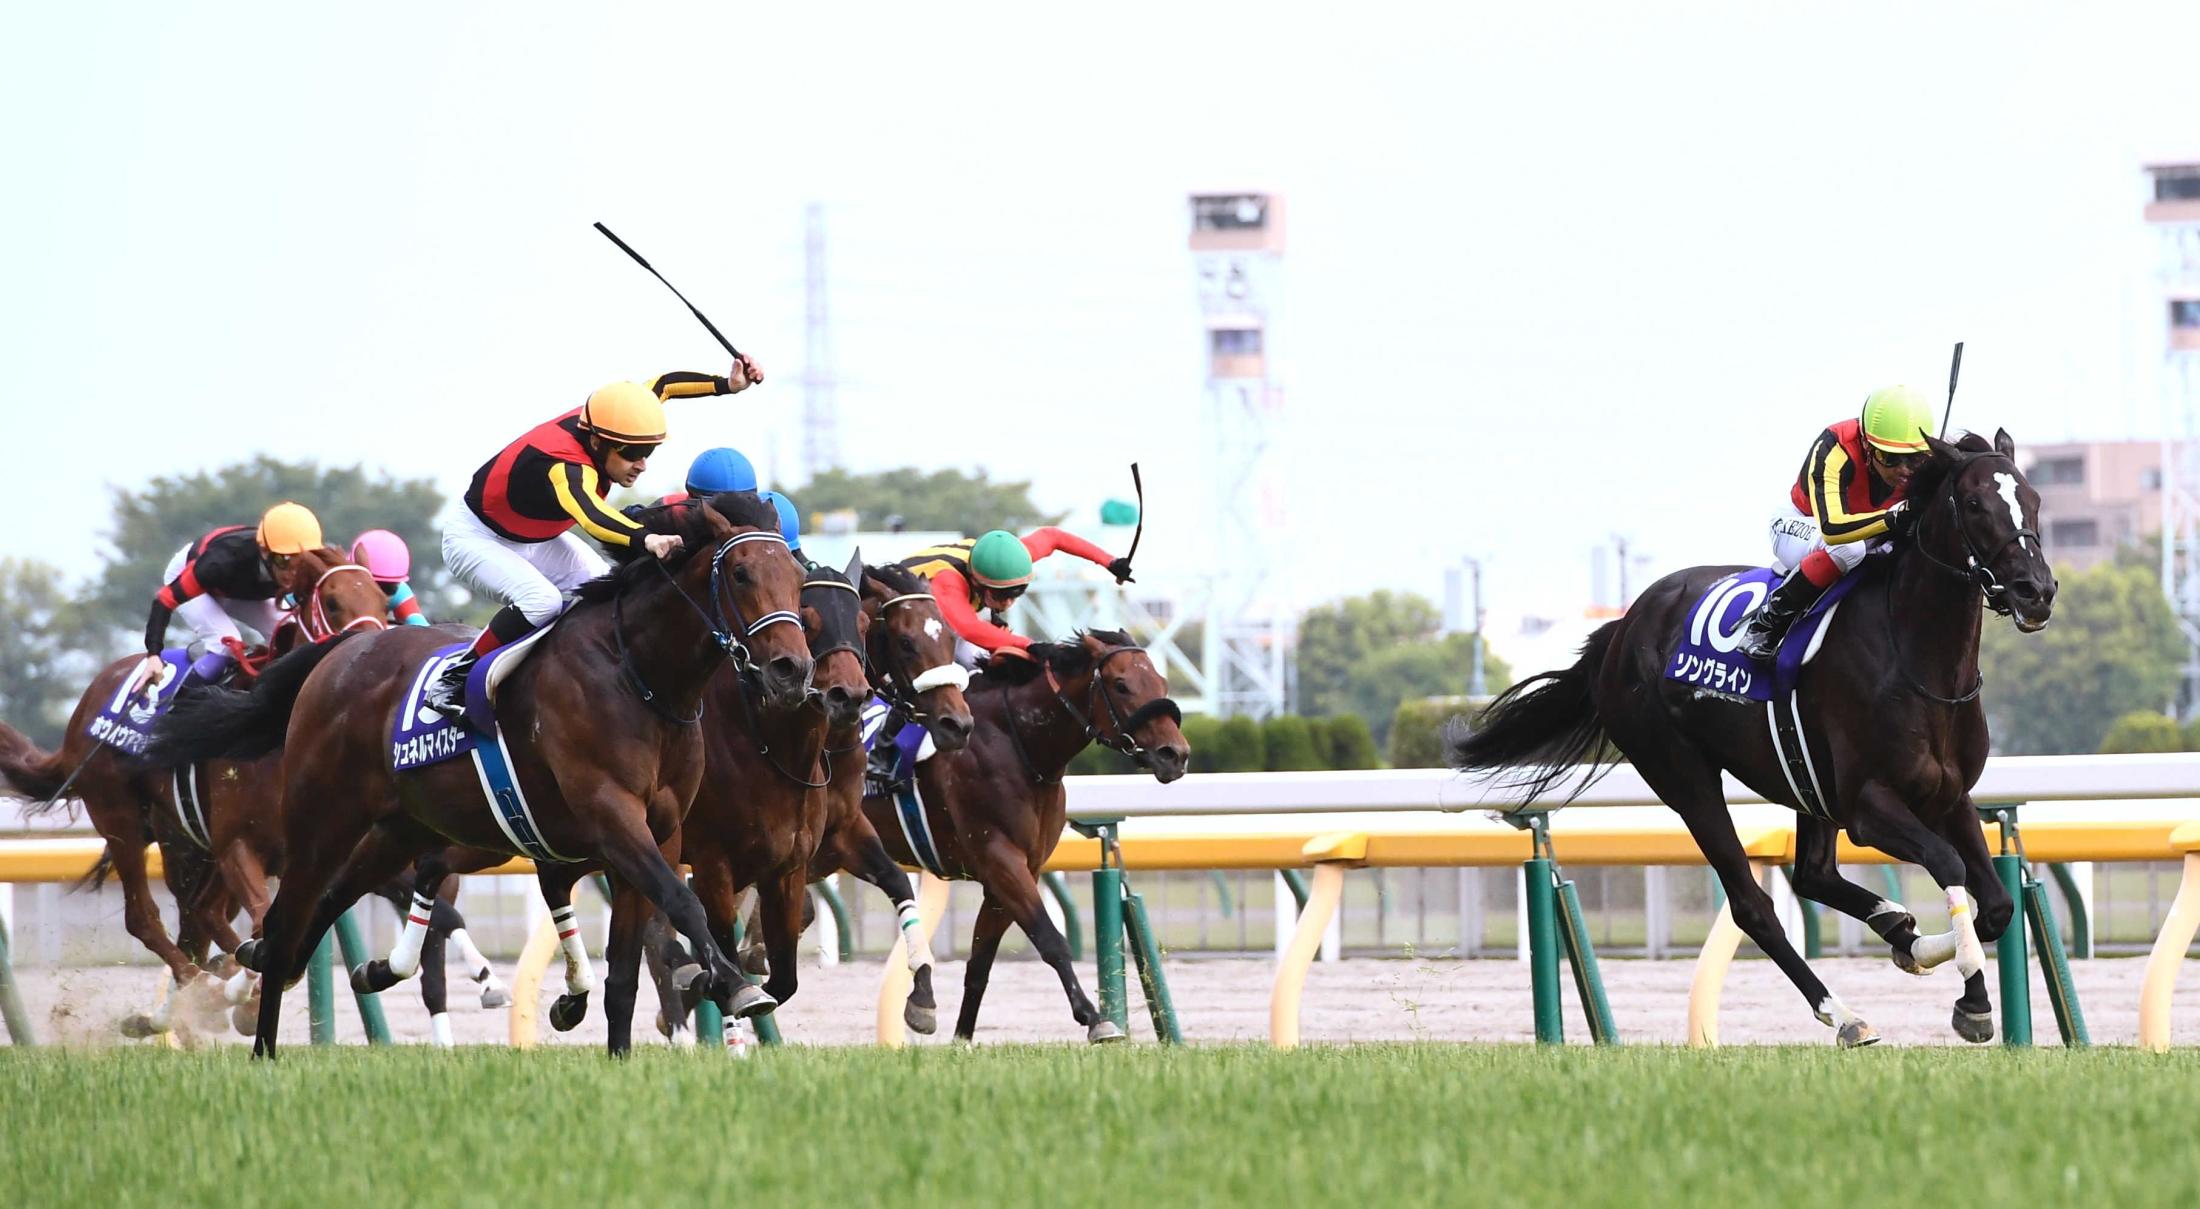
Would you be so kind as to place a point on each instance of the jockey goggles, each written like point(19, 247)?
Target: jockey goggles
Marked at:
point(634, 453)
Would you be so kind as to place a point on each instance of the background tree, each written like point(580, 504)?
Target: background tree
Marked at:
point(1417, 733)
point(2113, 648)
point(1347, 742)
point(1365, 654)
point(938, 500)
point(49, 649)
point(1290, 745)
point(151, 523)
point(2143, 730)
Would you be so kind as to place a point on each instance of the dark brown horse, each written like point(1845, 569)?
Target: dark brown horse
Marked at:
point(131, 802)
point(601, 724)
point(996, 809)
point(1890, 715)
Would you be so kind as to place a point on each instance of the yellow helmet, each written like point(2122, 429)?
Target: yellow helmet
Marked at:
point(625, 413)
point(289, 528)
point(1896, 419)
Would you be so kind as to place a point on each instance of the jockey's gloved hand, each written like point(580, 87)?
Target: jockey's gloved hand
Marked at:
point(147, 672)
point(1901, 519)
point(1121, 570)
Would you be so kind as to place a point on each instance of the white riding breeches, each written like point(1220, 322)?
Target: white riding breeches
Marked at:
point(212, 618)
point(1795, 534)
point(535, 576)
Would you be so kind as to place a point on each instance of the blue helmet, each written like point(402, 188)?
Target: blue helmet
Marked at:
point(720, 469)
point(790, 518)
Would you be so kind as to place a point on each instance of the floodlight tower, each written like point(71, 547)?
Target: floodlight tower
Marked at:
point(820, 405)
point(2173, 210)
point(1237, 257)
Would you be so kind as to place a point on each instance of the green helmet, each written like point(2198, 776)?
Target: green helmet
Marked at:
point(999, 560)
point(1896, 419)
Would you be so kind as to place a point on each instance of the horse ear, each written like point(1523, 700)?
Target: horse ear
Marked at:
point(2004, 444)
point(720, 527)
point(855, 568)
point(1942, 449)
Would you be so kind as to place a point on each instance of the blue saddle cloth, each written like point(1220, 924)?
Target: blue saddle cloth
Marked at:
point(1705, 657)
point(420, 737)
point(125, 721)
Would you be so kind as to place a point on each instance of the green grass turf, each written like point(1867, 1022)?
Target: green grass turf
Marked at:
point(1132, 1126)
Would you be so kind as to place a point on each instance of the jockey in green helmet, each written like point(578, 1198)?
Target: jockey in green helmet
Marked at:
point(1848, 498)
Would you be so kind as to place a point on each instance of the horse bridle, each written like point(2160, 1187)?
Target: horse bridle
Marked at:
point(1124, 740)
point(903, 690)
point(827, 581)
point(314, 619)
point(1978, 568)
point(728, 637)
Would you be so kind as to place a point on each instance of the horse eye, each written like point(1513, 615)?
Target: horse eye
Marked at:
point(1122, 686)
point(908, 645)
point(1976, 506)
point(742, 576)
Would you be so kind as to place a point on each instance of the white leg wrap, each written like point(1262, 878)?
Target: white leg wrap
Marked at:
point(161, 1014)
point(1970, 955)
point(1934, 950)
point(1833, 1013)
point(439, 1030)
point(405, 957)
point(477, 966)
point(238, 987)
point(914, 945)
point(580, 977)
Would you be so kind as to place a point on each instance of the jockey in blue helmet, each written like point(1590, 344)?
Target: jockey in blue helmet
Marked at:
point(720, 469)
point(790, 519)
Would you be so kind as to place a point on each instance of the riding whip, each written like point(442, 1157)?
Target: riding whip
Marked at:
point(58, 794)
point(1138, 485)
point(712, 327)
point(1955, 370)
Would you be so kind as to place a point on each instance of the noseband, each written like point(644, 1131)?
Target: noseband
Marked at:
point(904, 690)
point(1124, 740)
point(728, 637)
point(315, 620)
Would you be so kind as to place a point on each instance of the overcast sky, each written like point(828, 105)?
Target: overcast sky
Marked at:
point(1555, 271)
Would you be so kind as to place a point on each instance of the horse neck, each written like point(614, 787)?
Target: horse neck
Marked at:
point(1936, 612)
point(667, 641)
point(1054, 743)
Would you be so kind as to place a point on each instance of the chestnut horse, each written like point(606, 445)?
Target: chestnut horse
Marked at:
point(996, 808)
point(600, 721)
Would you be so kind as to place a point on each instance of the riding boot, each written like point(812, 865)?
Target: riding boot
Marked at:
point(1760, 640)
point(447, 696)
point(878, 770)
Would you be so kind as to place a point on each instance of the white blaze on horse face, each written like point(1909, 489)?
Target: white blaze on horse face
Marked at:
point(932, 628)
point(2006, 484)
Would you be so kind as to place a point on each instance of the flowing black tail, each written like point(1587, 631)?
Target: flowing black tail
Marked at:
point(232, 724)
point(1545, 726)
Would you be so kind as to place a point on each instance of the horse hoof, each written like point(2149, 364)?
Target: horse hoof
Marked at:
point(1974, 1027)
point(683, 977)
point(1856, 1035)
point(1907, 963)
point(495, 997)
point(921, 1020)
point(222, 965)
point(248, 955)
point(138, 1025)
point(1102, 1032)
point(245, 1019)
point(756, 963)
point(372, 978)
point(749, 1001)
point(567, 1013)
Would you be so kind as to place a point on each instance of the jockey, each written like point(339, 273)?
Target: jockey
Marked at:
point(229, 577)
point(991, 572)
point(714, 471)
point(1849, 493)
point(515, 540)
point(790, 519)
point(386, 557)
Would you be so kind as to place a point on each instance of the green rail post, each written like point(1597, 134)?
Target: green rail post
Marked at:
point(11, 1000)
point(1891, 877)
point(844, 933)
point(1582, 956)
point(767, 1029)
point(2062, 993)
point(353, 943)
point(2009, 954)
point(1295, 879)
point(1222, 892)
point(1550, 1025)
point(710, 1023)
point(1107, 922)
point(320, 994)
point(2081, 924)
point(1073, 928)
point(1146, 948)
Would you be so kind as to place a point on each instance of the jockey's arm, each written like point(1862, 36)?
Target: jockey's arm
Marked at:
point(686, 384)
point(574, 486)
point(952, 592)
point(405, 606)
point(1050, 540)
point(184, 587)
point(1830, 473)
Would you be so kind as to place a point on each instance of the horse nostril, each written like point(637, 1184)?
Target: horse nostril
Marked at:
point(952, 726)
point(787, 669)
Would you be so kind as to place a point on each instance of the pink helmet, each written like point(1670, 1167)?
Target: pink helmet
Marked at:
point(383, 554)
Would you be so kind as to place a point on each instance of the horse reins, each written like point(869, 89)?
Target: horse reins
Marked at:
point(1978, 571)
point(748, 708)
point(906, 689)
point(316, 623)
point(728, 642)
point(1124, 741)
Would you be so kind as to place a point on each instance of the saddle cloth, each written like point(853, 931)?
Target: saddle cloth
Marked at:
point(125, 721)
point(420, 737)
point(1705, 657)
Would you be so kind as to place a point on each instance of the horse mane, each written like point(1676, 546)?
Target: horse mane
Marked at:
point(688, 523)
point(1934, 473)
point(899, 580)
point(1066, 658)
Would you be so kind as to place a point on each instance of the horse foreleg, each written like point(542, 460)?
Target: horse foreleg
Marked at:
point(447, 918)
point(1883, 820)
point(1818, 878)
point(779, 909)
point(634, 857)
point(623, 962)
point(1010, 880)
point(556, 883)
point(985, 941)
point(868, 860)
point(324, 876)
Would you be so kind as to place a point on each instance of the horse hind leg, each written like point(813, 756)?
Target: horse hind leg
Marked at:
point(570, 1008)
point(1818, 878)
point(494, 994)
point(872, 865)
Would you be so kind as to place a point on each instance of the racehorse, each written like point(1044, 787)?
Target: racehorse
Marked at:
point(600, 722)
point(1889, 711)
point(995, 810)
point(130, 802)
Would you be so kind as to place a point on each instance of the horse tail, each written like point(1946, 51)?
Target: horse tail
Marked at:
point(100, 871)
point(34, 774)
point(1546, 725)
point(236, 724)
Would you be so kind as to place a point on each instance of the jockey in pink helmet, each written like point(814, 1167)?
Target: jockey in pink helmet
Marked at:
point(385, 557)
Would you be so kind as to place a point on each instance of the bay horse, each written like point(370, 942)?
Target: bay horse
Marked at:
point(1889, 711)
point(996, 808)
point(600, 721)
point(131, 802)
